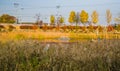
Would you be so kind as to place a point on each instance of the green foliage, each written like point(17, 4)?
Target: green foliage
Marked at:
point(117, 27)
point(5, 18)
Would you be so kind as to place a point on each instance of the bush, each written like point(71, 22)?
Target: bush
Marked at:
point(1, 27)
point(109, 28)
point(10, 27)
point(117, 27)
point(45, 27)
point(34, 27)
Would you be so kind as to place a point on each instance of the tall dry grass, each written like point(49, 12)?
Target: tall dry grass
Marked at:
point(33, 55)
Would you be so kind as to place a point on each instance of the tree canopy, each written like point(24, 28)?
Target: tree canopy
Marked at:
point(5, 18)
point(108, 16)
point(61, 19)
point(52, 19)
point(94, 17)
point(84, 16)
point(72, 17)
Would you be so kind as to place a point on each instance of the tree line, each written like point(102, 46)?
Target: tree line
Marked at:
point(74, 18)
point(82, 17)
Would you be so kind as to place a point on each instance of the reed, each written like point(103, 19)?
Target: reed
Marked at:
point(33, 55)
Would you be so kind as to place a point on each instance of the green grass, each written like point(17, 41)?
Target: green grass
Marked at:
point(33, 55)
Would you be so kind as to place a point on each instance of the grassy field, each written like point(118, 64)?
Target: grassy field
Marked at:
point(36, 50)
point(33, 55)
point(53, 36)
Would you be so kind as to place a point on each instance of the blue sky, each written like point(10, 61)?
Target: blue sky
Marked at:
point(27, 9)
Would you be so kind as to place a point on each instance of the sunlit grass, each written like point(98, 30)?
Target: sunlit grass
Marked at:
point(53, 35)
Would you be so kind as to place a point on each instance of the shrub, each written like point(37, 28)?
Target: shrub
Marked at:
point(34, 27)
point(1, 27)
point(109, 28)
point(117, 27)
point(10, 27)
point(45, 27)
